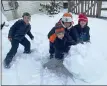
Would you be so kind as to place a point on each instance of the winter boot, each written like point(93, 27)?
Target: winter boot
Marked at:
point(51, 56)
point(27, 52)
point(7, 62)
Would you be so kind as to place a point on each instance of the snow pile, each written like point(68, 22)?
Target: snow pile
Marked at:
point(85, 62)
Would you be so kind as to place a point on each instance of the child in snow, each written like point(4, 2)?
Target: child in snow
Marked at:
point(17, 35)
point(62, 42)
point(67, 23)
point(83, 28)
point(61, 46)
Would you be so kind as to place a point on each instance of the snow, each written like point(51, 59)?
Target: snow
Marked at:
point(4, 19)
point(88, 60)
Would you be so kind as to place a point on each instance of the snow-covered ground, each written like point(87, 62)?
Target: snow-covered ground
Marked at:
point(89, 61)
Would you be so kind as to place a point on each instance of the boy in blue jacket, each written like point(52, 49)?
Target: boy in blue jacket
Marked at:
point(17, 35)
point(62, 42)
point(61, 45)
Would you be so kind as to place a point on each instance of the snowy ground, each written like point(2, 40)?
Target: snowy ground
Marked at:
point(88, 60)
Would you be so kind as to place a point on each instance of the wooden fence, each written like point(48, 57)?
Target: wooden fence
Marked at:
point(91, 8)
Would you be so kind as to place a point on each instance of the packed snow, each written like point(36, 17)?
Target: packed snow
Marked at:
point(88, 60)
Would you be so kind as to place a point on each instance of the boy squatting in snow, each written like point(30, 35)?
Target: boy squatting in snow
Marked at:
point(61, 46)
point(17, 35)
point(82, 28)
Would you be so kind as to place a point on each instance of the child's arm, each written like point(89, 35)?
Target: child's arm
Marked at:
point(52, 35)
point(88, 34)
point(30, 34)
point(69, 40)
point(13, 29)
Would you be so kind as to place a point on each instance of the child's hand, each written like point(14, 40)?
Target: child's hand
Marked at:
point(9, 38)
point(32, 38)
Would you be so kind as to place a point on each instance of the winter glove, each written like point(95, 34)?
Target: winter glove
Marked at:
point(32, 38)
point(81, 42)
point(9, 38)
point(88, 41)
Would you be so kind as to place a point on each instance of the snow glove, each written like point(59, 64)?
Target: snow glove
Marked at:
point(10, 39)
point(32, 38)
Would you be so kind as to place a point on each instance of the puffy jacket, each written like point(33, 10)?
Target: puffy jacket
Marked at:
point(19, 30)
point(71, 33)
point(83, 32)
point(62, 44)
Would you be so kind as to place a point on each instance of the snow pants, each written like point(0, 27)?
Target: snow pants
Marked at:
point(15, 45)
point(59, 54)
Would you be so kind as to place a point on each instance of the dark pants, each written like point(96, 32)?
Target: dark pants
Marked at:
point(52, 49)
point(59, 54)
point(15, 45)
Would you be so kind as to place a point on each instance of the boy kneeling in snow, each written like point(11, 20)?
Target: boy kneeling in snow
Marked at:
point(17, 35)
point(61, 45)
point(82, 28)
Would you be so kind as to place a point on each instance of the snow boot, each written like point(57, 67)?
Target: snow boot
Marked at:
point(51, 56)
point(7, 63)
point(27, 52)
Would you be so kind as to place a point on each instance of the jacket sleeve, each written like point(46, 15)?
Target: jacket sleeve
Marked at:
point(74, 34)
point(13, 29)
point(52, 35)
point(29, 33)
point(70, 41)
point(88, 34)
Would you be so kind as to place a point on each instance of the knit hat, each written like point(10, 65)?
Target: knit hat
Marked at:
point(59, 30)
point(67, 17)
point(82, 17)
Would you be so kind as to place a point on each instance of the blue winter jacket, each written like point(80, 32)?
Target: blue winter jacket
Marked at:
point(19, 30)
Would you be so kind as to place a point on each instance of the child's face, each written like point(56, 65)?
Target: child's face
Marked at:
point(83, 23)
point(60, 35)
point(26, 19)
point(67, 24)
